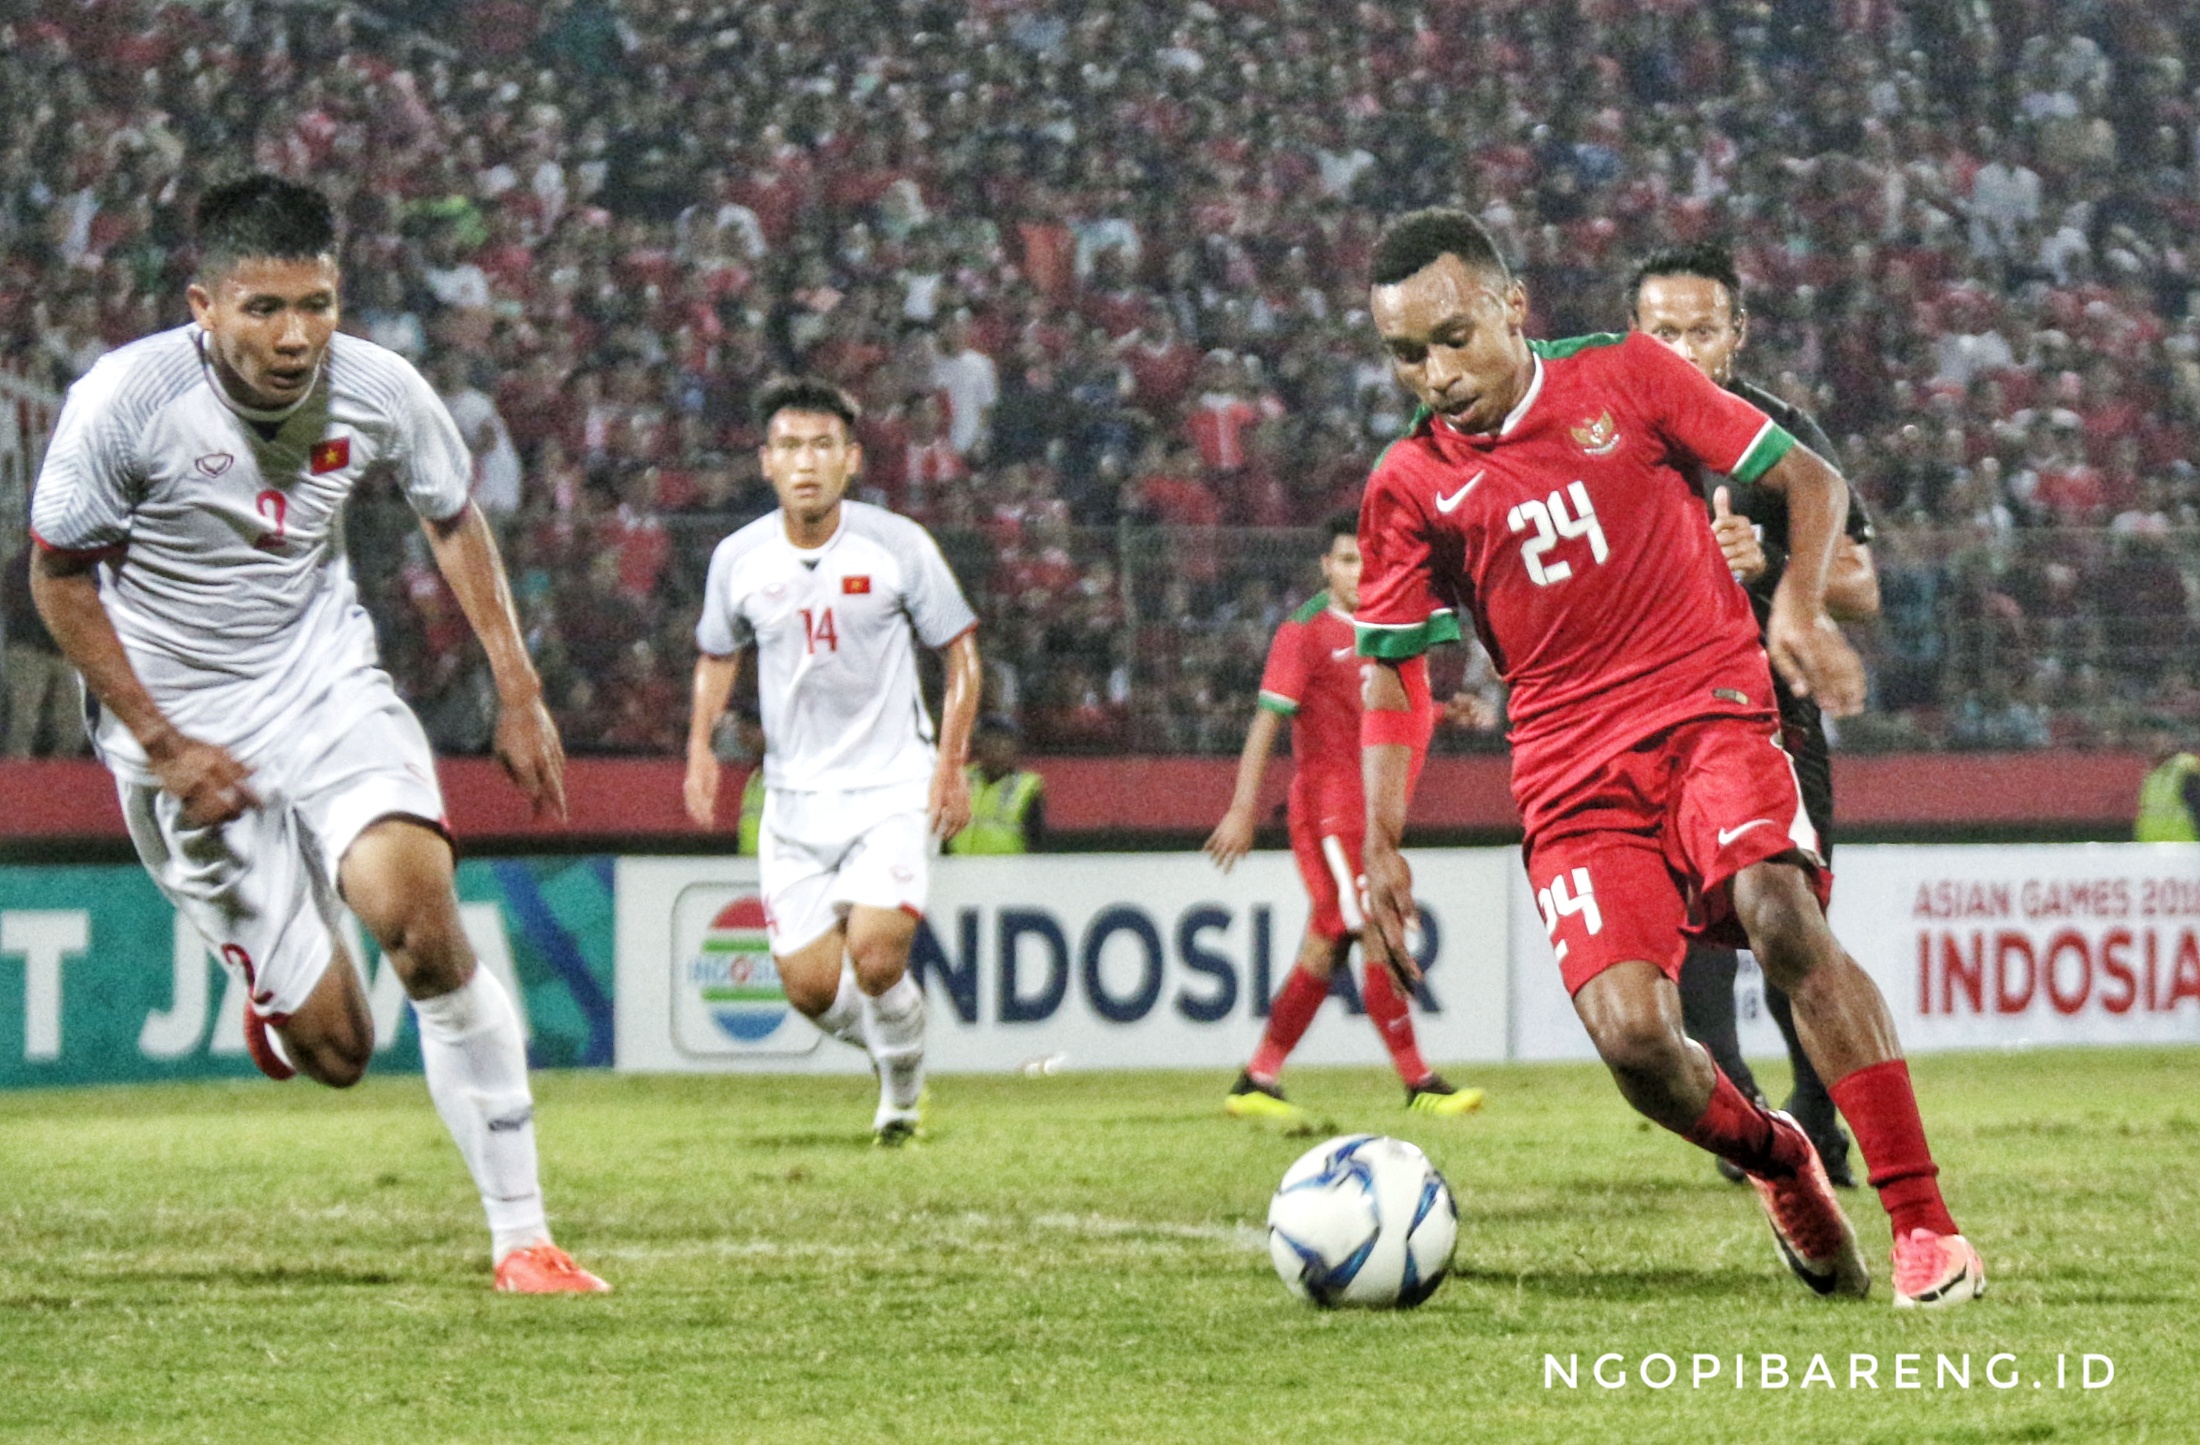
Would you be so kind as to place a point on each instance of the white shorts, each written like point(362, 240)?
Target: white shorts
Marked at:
point(820, 854)
point(262, 888)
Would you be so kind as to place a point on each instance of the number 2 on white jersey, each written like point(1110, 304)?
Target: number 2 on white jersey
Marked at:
point(1552, 521)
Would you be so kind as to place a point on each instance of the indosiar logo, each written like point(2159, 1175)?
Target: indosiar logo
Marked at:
point(727, 997)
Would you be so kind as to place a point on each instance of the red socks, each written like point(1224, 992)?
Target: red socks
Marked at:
point(1387, 1007)
point(1737, 1130)
point(1294, 1008)
point(1301, 998)
point(1881, 1107)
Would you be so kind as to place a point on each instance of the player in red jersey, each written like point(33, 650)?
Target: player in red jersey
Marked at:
point(1541, 490)
point(1313, 680)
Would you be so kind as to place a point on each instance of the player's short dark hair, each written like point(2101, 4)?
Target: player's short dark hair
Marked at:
point(262, 217)
point(1340, 524)
point(805, 393)
point(1416, 240)
point(1711, 260)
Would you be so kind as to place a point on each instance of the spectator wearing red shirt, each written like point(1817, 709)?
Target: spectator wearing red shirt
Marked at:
point(1222, 417)
point(635, 534)
point(930, 465)
point(1161, 363)
point(2069, 488)
point(1049, 248)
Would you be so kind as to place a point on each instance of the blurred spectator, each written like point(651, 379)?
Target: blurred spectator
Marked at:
point(496, 460)
point(45, 704)
point(1970, 227)
point(971, 383)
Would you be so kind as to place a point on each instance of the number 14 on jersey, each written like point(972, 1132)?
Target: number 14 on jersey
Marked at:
point(817, 629)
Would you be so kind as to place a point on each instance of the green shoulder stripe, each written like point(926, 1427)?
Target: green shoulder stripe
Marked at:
point(1773, 443)
point(1574, 345)
point(1397, 642)
point(1315, 606)
point(1276, 702)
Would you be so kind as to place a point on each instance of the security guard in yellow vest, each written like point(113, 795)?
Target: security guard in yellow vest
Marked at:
point(2169, 799)
point(1007, 803)
point(745, 743)
point(752, 811)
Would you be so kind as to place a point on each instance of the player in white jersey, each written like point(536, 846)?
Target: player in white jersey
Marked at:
point(857, 795)
point(190, 563)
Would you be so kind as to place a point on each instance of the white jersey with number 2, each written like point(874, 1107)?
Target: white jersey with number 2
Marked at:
point(836, 670)
point(219, 526)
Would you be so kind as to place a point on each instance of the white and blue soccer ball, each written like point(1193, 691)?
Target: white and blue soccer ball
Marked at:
point(1363, 1220)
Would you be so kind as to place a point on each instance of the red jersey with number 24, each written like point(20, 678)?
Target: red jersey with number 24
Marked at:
point(1315, 677)
point(1573, 538)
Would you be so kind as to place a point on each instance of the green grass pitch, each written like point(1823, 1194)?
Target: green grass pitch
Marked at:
point(1074, 1258)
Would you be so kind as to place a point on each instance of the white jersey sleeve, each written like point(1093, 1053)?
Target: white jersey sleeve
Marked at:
point(92, 477)
point(937, 608)
point(433, 465)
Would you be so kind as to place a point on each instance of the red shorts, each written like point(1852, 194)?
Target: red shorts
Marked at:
point(1330, 865)
point(1637, 861)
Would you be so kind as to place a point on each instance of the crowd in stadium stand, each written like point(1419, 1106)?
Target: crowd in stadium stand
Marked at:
point(1093, 267)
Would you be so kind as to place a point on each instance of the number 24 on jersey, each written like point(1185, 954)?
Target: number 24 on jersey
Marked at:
point(1551, 520)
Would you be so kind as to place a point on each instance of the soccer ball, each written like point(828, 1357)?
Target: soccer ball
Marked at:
point(1362, 1220)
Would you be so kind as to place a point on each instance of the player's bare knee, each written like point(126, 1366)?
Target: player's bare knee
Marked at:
point(1641, 1047)
point(810, 996)
point(1787, 929)
point(1325, 960)
point(879, 964)
point(335, 1069)
point(337, 1057)
point(427, 947)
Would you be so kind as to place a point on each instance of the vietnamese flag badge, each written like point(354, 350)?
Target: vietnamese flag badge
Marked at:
point(331, 455)
point(854, 586)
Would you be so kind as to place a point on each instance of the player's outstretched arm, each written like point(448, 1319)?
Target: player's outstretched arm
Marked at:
point(948, 810)
point(714, 679)
point(1806, 647)
point(1386, 770)
point(1232, 838)
point(526, 737)
point(206, 779)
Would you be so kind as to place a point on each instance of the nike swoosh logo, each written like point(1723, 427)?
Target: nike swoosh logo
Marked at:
point(1728, 835)
point(1445, 504)
point(1343, 651)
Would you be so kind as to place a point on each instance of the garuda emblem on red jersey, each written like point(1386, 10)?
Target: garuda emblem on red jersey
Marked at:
point(1598, 437)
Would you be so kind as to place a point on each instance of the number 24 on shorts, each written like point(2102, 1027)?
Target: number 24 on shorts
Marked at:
point(1558, 901)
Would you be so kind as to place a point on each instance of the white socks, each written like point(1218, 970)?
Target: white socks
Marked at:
point(891, 1029)
point(476, 1062)
point(893, 1026)
point(843, 1018)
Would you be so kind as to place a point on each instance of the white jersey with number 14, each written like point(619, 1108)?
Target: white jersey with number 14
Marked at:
point(836, 670)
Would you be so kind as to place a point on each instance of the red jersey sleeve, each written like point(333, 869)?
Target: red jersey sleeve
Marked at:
point(1699, 418)
point(1403, 609)
point(1283, 680)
